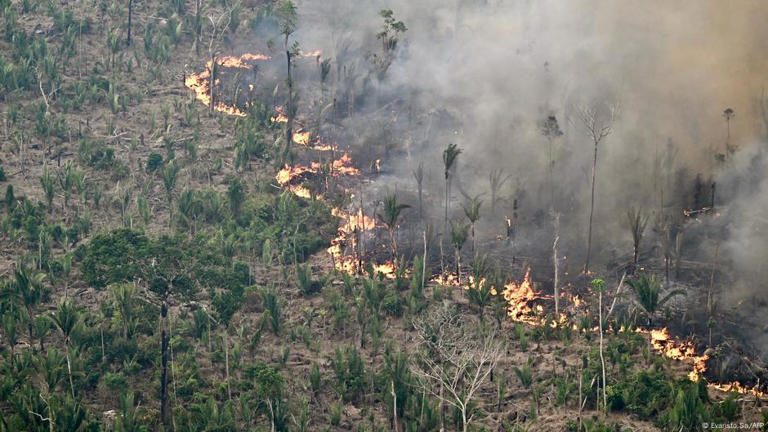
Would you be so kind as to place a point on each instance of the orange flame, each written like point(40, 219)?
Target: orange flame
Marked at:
point(200, 82)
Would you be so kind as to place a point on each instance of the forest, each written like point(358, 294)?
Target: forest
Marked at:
point(331, 215)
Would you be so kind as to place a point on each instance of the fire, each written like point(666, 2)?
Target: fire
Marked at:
point(301, 138)
point(317, 53)
point(200, 82)
point(518, 297)
point(685, 351)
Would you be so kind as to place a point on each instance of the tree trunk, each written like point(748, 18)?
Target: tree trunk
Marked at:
point(226, 364)
point(602, 358)
point(164, 362)
point(556, 280)
point(130, 14)
point(289, 105)
point(394, 405)
point(458, 266)
point(591, 212)
point(212, 81)
point(69, 370)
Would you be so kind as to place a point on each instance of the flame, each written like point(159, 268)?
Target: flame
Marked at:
point(200, 82)
point(685, 351)
point(316, 53)
point(519, 297)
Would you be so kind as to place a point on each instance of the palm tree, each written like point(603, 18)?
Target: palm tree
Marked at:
point(647, 291)
point(496, 179)
point(473, 214)
point(637, 223)
point(479, 294)
point(450, 154)
point(27, 288)
point(170, 173)
point(390, 218)
point(122, 295)
point(459, 233)
point(67, 320)
point(287, 18)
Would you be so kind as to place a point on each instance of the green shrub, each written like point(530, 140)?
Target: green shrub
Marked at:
point(154, 161)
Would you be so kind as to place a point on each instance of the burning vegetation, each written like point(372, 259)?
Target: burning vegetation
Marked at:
point(455, 216)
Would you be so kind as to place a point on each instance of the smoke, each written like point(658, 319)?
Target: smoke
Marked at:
point(484, 74)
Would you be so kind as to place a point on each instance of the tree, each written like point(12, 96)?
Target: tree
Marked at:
point(418, 175)
point(450, 154)
point(130, 15)
point(390, 217)
point(169, 174)
point(287, 18)
point(473, 214)
point(551, 131)
point(598, 125)
point(459, 234)
point(496, 178)
point(269, 385)
point(455, 360)
point(389, 37)
point(637, 223)
point(648, 293)
point(599, 286)
point(26, 287)
point(67, 320)
point(236, 195)
point(123, 298)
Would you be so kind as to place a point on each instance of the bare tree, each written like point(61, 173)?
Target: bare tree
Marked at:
point(598, 122)
point(456, 360)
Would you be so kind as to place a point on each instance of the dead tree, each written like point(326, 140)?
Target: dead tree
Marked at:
point(456, 360)
point(598, 125)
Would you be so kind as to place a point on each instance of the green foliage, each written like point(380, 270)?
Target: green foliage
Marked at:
point(349, 371)
point(273, 313)
point(648, 293)
point(525, 374)
point(154, 161)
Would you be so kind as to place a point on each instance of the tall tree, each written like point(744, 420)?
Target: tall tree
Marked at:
point(472, 211)
point(450, 154)
point(550, 129)
point(28, 291)
point(67, 320)
point(598, 121)
point(287, 18)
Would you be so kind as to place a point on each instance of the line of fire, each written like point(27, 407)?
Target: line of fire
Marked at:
point(386, 219)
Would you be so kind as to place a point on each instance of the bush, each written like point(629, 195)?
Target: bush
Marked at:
point(154, 161)
point(392, 304)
